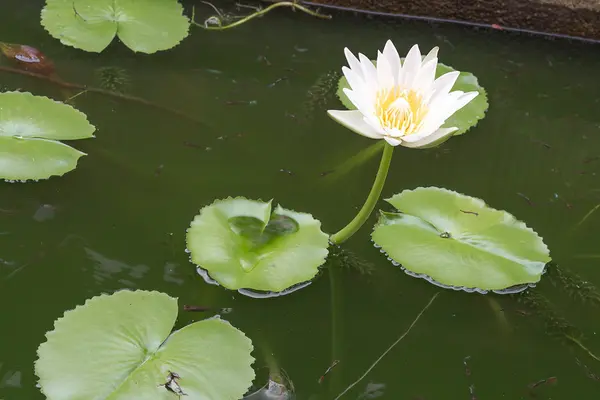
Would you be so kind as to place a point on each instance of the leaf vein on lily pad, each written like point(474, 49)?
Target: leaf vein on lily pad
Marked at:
point(144, 26)
point(458, 241)
point(245, 244)
point(120, 346)
point(30, 127)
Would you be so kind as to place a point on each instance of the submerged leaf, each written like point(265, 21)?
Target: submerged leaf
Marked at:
point(243, 244)
point(464, 119)
point(457, 241)
point(573, 284)
point(91, 25)
point(29, 129)
point(120, 346)
point(113, 78)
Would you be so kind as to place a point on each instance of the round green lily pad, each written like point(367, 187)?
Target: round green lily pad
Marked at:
point(464, 119)
point(144, 26)
point(244, 245)
point(121, 347)
point(459, 242)
point(30, 127)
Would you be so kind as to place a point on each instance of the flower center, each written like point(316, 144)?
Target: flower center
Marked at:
point(400, 109)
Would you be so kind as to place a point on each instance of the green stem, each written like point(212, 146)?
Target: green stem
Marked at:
point(364, 213)
point(291, 4)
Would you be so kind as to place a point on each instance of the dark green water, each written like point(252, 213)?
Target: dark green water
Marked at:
point(119, 220)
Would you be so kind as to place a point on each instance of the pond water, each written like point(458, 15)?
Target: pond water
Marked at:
point(257, 97)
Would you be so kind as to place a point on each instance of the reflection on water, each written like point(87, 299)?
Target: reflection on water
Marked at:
point(114, 270)
point(9, 379)
point(372, 391)
point(44, 213)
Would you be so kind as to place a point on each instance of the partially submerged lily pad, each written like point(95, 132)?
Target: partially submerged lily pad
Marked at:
point(120, 346)
point(464, 119)
point(30, 127)
point(243, 244)
point(91, 25)
point(457, 241)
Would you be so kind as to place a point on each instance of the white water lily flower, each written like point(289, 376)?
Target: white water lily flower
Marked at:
point(402, 103)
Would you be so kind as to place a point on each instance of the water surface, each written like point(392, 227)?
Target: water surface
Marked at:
point(119, 220)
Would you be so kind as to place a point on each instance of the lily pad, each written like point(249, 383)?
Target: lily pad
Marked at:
point(120, 346)
point(464, 119)
point(30, 127)
point(243, 244)
point(91, 25)
point(457, 241)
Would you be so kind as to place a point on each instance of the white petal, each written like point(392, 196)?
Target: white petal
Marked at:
point(393, 58)
point(385, 78)
point(353, 120)
point(353, 62)
point(363, 100)
point(440, 135)
point(369, 70)
point(441, 103)
point(443, 85)
point(431, 55)
point(374, 122)
point(411, 67)
point(425, 78)
point(355, 81)
point(444, 110)
point(467, 97)
point(392, 141)
point(440, 110)
point(462, 100)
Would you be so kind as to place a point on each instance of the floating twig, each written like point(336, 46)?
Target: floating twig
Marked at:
point(335, 362)
point(196, 308)
point(470, 212)
point(389, 348)
point(527, 199)
point(578, 343)
point(546, 145)
point(472, 392)
point(586, 216)
point(466, 364)
point(587, 370)
point(283, 78)
point(546, 381)
point(240, 102)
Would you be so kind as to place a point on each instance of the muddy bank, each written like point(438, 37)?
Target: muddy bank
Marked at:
point(563, 17)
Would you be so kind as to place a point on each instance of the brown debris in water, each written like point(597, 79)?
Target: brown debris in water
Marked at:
point(27, 58)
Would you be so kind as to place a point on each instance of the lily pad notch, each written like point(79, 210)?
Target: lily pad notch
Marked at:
point(248, 246)
point(91, 25)
point(30, 130)
point(120, 346)
point(458, 242)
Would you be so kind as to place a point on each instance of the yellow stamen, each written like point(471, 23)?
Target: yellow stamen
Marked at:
point(401, 109)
